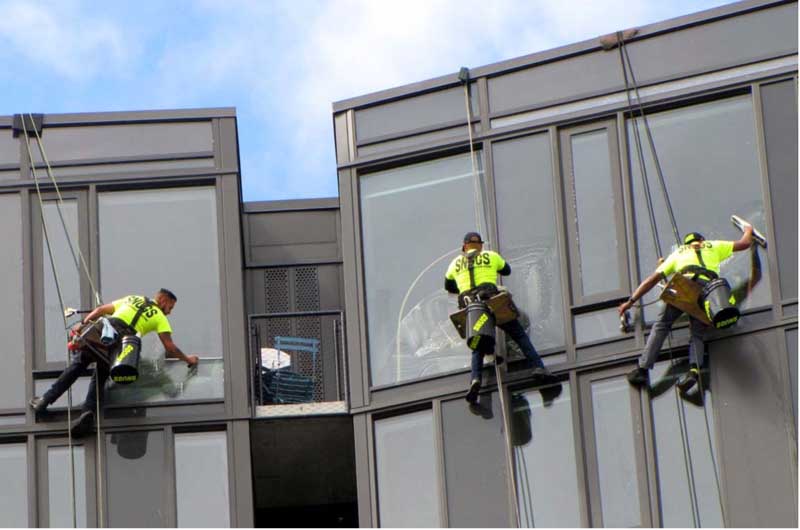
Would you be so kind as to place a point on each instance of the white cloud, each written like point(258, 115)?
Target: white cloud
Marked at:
point(63, 38)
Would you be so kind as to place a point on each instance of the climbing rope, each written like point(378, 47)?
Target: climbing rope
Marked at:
point(54, 270)
point(476, 182)
point(626, 65)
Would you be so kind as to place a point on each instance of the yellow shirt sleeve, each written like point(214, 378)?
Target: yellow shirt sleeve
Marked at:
point(668, 266)
point(497, 260)
point(722, 249)
point(451, 270)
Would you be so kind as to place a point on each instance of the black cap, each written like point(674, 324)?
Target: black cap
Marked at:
point(691, 237)
point(472, 237)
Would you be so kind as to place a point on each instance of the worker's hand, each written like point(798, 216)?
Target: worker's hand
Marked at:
point(192, 360)
point(624, 306)
point(76, 328)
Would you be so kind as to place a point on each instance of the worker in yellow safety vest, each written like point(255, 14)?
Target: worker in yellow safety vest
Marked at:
point(473, 275)
point(131, 315)
point(699, 260)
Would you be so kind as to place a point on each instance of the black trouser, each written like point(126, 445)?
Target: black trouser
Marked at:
point(78, 363)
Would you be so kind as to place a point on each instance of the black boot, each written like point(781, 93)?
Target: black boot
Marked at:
point(39, 405)
point(688, 380)
point(638, 376)
point(474, 388)
point(83, 425)
point(541, 374)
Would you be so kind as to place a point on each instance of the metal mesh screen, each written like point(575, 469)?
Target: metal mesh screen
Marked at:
point(306, 289)
point(276, 290)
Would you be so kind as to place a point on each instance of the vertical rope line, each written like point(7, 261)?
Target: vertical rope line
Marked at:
point(650, 140)
point(477, 200)
point(59, 203)
point(512, 480)
point(63, 316)
point(711, 449)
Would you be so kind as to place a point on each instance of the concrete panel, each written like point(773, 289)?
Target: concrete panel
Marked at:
point(426, 110)
point(120, 141)
point(723, 43)
point(752, 405)
point(9, 147)
point(779, 105)
point(293, 237)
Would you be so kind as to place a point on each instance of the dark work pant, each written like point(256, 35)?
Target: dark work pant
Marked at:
point(514, 330)
point(78, 362)
point(660, 331)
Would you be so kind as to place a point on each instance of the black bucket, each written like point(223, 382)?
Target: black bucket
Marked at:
point(480, 327)
point(125, 369)
point(718, 304)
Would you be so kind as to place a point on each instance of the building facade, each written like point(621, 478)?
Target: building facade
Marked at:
point(558, 181)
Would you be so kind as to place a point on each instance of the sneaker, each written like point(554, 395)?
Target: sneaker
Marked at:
point(38, 404)
point(638, 376)
point(83, 425)
point(474, 388)
point(541, 373)
point(688, 380)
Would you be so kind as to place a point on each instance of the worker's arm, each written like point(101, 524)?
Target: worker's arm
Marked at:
point(640, 291)
point(174, 352)
point(505, 271)
point(97, 312)
point(746, 240)
point(450, 286)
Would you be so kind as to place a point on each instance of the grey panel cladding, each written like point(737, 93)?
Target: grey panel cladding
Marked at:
point(9, 147)
point(426, 110)
point(290, 289)
point(280, 238)
point(779, 105)
point(703, 48)
point(752, 404)
point(125, 140)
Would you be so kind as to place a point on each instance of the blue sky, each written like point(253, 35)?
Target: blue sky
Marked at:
point(280, 63)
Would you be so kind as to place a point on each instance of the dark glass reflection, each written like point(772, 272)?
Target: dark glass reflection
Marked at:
point(136, 479)
point(544, 454)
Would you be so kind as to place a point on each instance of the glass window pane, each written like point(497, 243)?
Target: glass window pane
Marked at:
point(79, 389)
point(406, 469)
point(136, 481)
point(12, 328)
point(597, 325)
point(685, 468)
point(69, 277)
point(167, 238)
point(595, 204)
point(58, 486)
point(544, 454)
point(475, 461)
point(702, 149)
point(14, 486)
point(614, 438)
point(202, 459)
point(413, 219)
point(527, 234)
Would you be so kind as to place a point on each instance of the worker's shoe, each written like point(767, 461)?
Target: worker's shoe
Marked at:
point(38, 404)
point(83, 425)
point(541, 374)
point(474, 389)
point(638, 376)
point(688, 380)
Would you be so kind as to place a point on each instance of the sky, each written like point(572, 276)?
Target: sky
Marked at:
point(281, 63)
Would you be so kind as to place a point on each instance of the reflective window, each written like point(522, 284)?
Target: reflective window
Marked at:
point(167, 238)
point(594, 199)
point(69, 276)
point(547, 487)
point(202, 458)
point(79, 389)
point(526, 216)
point(14, 486)
point(58, 484)
point(791, 348)
point(136, 481)
point(406, 468)
point(475, 461)
point(12, 318)
point(616, 457)
point(702, 149)
point(597, 325)
point(412, 221)
point(686, 478)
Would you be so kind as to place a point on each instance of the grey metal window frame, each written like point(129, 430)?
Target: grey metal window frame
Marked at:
point(43, 483)
point(579, 300)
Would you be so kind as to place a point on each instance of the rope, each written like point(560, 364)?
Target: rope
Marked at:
point(512, 479)
point(476, 183)
point(63, 316)
point(625, 58)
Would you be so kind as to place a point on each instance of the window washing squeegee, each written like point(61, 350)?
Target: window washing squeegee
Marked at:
point(739, 223)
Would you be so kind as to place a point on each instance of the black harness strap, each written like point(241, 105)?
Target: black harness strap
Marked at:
point(144, 307)
point(471, 268)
